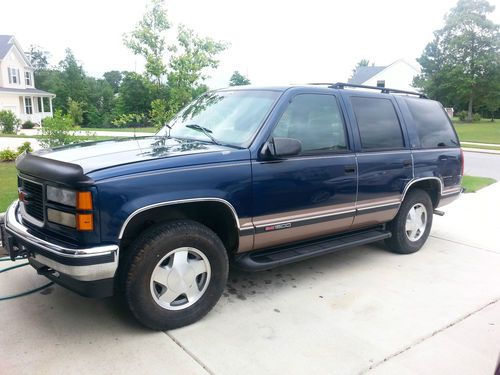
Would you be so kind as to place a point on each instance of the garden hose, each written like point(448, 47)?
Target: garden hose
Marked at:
point(5, 259)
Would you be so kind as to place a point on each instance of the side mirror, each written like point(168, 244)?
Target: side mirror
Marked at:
point(281, 147)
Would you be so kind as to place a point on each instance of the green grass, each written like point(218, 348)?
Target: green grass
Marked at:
point(473, 183)
point(466, 145)
point(8, 187)
point(139, 130)
point(484, 131)
point(79, 137)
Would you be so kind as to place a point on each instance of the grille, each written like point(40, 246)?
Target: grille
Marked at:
point(34, 208)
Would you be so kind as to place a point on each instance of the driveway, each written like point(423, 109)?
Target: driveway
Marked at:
point(360, 311)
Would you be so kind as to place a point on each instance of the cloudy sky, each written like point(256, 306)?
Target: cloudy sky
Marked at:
point(270, 41)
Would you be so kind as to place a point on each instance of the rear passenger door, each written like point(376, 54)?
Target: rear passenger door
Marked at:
point(311, 194)
point(384, 158)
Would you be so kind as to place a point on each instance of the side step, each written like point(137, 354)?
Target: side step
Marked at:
point(266, 259)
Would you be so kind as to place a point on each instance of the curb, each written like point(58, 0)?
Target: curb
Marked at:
point(482, 151)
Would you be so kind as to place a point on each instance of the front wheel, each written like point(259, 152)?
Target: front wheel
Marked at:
point(412, 225)
point(176, 274)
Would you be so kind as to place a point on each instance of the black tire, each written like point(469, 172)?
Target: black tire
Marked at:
point(399, 242)
point(149, 249)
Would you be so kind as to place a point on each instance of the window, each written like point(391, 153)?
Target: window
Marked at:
point(378, 123)
point(39, 103)
point(28, 106)
point(13, 75)
point(316, 121)
point(432, 123)
point(27, 76)
point(381, 83)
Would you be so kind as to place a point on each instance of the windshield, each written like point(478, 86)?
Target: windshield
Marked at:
point(224, 117)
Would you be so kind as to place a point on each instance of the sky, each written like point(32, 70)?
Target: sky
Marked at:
point(272, 42)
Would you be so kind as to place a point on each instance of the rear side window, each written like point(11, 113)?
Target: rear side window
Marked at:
point(378, 123)
point(432, 123)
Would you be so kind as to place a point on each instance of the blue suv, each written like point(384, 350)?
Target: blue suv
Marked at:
point(256, 176)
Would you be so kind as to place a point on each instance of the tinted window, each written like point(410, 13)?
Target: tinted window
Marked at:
point(316, 121)
point(378, 123)
point(432, 123)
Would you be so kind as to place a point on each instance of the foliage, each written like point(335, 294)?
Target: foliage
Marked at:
point(26, 146)
point(8, 155)
point(39, 58)
point(75, 111)
point(8, 121)
point(238, 79)
point(114, 78)
point(130, 119)
point(462, 115)
point(473, 183)
point(148, 40)
point(476, 117)
point(458, 65)
point(28, 125)
point(159, 114)
point(57, 130)
point(134, 96)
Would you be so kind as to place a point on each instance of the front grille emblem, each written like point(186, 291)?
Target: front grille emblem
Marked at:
point(24, 197)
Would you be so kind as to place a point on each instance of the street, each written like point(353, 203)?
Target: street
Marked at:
point(482, 165)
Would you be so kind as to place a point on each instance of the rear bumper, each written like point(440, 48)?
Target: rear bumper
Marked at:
point(449, 195)
point(60, 263)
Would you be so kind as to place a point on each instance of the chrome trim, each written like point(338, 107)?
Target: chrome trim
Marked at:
point(179, 201)
point(454, 190)
point(411, 182)
point(304, 218)
point(393, 203)
point(14, 226)
point(24, 213)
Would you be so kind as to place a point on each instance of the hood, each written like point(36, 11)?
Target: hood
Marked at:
point(92, 156)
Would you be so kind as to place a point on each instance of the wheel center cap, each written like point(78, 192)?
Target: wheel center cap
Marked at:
point(181, 278)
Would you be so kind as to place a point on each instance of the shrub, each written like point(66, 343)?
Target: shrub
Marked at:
point(476, 117)
point(8, 121)
point(28, 125)
point(57, 131)
point(26, 146)
point(8, 155)
point(462, 115)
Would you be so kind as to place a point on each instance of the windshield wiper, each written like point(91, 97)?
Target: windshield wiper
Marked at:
point(204, 130)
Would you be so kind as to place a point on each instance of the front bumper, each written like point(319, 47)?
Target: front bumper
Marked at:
point(72, 267)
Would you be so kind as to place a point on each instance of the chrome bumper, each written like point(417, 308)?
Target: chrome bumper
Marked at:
point(84, 264)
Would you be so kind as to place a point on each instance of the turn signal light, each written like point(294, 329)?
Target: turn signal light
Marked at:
point(84, 200)
point(85, 222)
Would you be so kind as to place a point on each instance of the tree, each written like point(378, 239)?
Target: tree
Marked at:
point(361, 63)
point(148, 40)
point(134, 95)
point(464, 55)
point(238, 79)
point(71, 83)
point(39, 58)
point(191, 57)
point(75, 111)
point(114, 78)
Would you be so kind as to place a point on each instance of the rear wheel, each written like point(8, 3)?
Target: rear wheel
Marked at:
point(176, 274)
point(412, 225)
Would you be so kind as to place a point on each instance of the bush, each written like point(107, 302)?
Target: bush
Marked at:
point(26, 146)
point(462, 115)
point(8, 155)
point(8, 121)
point(476, 117)
point(57, 130)
point(28, 125)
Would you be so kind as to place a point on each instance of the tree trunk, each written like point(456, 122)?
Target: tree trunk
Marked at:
point(469, 110)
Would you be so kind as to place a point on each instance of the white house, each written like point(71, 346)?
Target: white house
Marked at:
point(398, 75)
point(17, 84)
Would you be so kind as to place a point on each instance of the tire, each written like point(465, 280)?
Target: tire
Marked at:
point(180, 257)
point(409, 239)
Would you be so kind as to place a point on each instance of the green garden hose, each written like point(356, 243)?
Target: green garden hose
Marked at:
point(23, 293)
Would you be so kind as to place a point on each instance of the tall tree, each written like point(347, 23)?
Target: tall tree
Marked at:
point(114, 78)
point(39, 58)
point(148, 40)
point(458, 63)
point(238, 79)
point(360, 63)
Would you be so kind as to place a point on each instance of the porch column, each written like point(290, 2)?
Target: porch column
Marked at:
point(41, 99)
point(50, 103)
point(33, 105)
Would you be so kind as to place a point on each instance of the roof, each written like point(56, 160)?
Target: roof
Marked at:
point(6, 44)
point(364, 73)
point(6, 90)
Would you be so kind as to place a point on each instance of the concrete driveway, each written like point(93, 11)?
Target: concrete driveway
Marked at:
point(360, 311)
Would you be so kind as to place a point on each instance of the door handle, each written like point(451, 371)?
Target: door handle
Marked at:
point(407, 163)
point(350, 168)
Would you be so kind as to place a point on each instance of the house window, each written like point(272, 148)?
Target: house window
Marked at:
point(39, 102)
point(27, 76)
point(13, 75)
point(28, 106)
point(381, 83)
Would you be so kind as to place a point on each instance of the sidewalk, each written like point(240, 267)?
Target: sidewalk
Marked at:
point(360, 311)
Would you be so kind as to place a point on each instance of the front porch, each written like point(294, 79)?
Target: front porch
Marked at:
point(35, 108)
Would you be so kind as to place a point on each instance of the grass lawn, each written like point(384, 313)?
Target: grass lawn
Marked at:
point(79, 137)
point(8, 185)
point(139, 130)
point(466, 145)
point(473, 183)
point(484, 131)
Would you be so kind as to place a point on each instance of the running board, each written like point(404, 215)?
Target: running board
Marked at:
point(266, 259)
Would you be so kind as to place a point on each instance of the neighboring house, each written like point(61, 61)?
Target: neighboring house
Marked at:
point(398, 75)
point(17, 84)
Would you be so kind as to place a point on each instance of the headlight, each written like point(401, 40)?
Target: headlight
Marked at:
point(62, 196)
point(63, 218)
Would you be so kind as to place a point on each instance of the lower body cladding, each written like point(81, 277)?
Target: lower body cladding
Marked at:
point(87, 271)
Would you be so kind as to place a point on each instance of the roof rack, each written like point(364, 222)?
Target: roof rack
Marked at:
point(383, 90)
